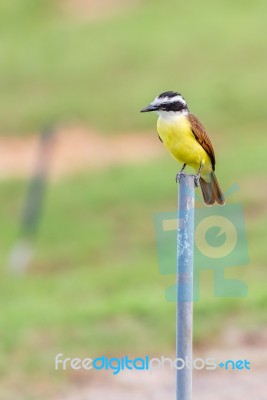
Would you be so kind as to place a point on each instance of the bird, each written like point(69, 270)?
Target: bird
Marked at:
point(186, 139)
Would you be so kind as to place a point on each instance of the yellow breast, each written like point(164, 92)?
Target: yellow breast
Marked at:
point(178, 138)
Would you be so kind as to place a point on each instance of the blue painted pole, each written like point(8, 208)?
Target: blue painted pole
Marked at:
point(185, 256)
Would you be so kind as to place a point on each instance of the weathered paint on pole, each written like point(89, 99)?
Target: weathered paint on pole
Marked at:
point(185, 256)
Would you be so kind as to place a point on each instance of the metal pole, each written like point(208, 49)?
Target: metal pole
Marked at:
point(184, 311)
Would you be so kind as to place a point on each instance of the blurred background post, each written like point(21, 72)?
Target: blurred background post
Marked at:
point(21, 254)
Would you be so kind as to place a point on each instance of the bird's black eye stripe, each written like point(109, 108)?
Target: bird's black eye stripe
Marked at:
point(175, 106)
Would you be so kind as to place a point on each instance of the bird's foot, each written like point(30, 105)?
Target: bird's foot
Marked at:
point(197, 180)
point(180, 173)
point(178, 176)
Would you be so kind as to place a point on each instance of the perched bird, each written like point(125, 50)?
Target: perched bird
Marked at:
point(186, 139)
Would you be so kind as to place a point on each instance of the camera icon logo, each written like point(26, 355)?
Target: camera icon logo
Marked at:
point(226, 228)
point(220, 244)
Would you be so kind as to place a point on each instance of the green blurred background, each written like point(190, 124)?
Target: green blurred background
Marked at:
point(94, 286)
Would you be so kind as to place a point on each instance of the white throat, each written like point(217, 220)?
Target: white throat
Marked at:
point(171, 116)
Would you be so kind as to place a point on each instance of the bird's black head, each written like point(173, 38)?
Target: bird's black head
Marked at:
point(167, 102)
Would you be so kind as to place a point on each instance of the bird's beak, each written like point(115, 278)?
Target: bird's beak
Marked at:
point(149, 108)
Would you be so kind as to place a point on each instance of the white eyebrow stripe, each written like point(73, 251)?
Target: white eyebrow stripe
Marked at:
point(162, 100)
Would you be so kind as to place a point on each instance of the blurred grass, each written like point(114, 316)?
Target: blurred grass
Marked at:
point(95, 287)
point(58, 67)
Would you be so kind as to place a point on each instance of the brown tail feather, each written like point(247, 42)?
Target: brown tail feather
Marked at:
point(219, 196)
point(211, 191)
point(207, 193)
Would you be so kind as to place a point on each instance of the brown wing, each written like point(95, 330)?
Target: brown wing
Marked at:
point(202, 137)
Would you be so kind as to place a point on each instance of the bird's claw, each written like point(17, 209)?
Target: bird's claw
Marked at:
point(178, 176)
